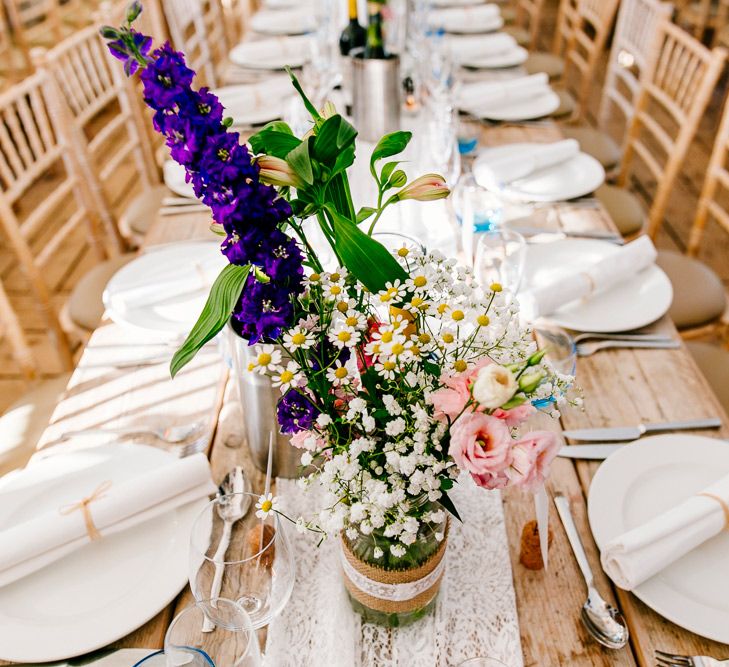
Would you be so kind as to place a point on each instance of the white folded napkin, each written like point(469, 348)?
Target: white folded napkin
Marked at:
point(34, 544)
point(247, 96)
point(585, 282)
point(524, 161)
point(460, 18)
point(465, 48)
point(635, 556)
point(489, 94)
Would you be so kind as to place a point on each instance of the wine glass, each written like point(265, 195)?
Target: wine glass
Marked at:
point(477, 210)
point(256, 570)
point(500, 258)
point(232, 640)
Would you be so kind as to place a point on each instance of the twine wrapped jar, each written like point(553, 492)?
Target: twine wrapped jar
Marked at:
point(390, 590)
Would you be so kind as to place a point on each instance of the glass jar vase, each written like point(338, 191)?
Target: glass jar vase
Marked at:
point(391, 589)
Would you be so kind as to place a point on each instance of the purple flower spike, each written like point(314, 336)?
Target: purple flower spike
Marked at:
point(295, 412)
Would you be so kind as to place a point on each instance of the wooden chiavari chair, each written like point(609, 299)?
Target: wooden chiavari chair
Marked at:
point(46, 209)
point(705, 16)
point(237, 13)
point(23, 422)
point(527, 19)
point(585, 46)
point(35, 23)
point(674, 92)
point(107, 127)
point(553, 63)
point(635, 32)
point(187, 30)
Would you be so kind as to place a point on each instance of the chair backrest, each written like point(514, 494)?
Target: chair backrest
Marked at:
point(187, 30)
point(529, 17)
point(107, 127)
point(215, 33)
point(714, 198)
point(698, 16)
point(46, 211)
point(587, 39)
point(6, 49)
point(635, 33)
point(237, 14)
point(566, 20)
point(34, 23)
point(674, 92)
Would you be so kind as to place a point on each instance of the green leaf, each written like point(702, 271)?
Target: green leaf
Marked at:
point(389, 145)
point(448, 504)
point(514, 402)
point(344, 160)
point(307, 103)
point(273, 142)
point(387, 170)
point(364, 213)
point(334, 135)
point(368, 260)
point(300, 162)
point(224, 294)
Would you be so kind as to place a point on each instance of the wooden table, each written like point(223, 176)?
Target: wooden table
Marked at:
point(620, 387)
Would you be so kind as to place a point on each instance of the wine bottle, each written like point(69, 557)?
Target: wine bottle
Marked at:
point(375, 46)
point(354, 36)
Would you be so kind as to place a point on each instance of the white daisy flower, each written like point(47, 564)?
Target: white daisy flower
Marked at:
point(386, 369)
point(392, 292)
point(266, 504)
point(343, 336)
point(355, 319)
point(268, 358)
point(339, 374)
point(298, 339)
point(288, 377)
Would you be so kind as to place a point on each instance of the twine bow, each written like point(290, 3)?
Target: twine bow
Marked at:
point(723, 504)
point(83, 505)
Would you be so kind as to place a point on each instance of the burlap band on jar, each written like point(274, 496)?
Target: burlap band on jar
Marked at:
point(393, 591)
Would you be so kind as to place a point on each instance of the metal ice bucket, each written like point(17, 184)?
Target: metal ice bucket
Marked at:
point(375, 95)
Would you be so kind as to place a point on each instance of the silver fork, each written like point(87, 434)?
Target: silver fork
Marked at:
point(664, 659)
point(593, 335)
point(587, 349)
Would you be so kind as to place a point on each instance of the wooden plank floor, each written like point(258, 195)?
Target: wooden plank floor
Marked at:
point(673, 235)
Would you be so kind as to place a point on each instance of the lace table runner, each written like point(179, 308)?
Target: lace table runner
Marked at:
point(475, 614)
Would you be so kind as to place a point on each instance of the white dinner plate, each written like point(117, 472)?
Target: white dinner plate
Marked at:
point(164, 290)
point(255, 103)
point(466, 20)
point(572, 178)
point(173, 174)
point(455, 3)
point(296, 21)
point(538, 106)
point(629, 305)
point(646, 478)
point(274, 53)
point(106, 589)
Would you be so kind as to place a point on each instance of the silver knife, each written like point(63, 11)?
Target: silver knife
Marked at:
point(623, 433)
point(591, 452)
point(124, 657)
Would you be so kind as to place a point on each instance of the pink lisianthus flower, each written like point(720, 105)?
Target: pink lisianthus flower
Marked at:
point(532, 457)
point(452, 398)
point(481, 445)
point(516, 416)
point(307, 440)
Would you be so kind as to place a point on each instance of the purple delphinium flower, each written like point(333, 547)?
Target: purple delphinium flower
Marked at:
point(295, 412)
point(225, 178)
point(119, 49)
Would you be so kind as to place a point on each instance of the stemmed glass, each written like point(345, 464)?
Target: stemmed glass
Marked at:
point(257, 570)
point(500, 258)
point(232, 642)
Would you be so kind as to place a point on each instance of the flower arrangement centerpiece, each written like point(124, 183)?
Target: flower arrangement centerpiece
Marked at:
point(398, 371)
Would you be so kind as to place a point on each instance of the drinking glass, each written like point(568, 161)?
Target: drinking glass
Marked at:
point(500, 257)
point(395, 240)
point(561, 354)
point(257, 570)
point(232, 642)
point(477, 210)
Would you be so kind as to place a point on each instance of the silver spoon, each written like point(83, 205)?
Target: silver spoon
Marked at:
point(602, 620)
point(231, 508)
